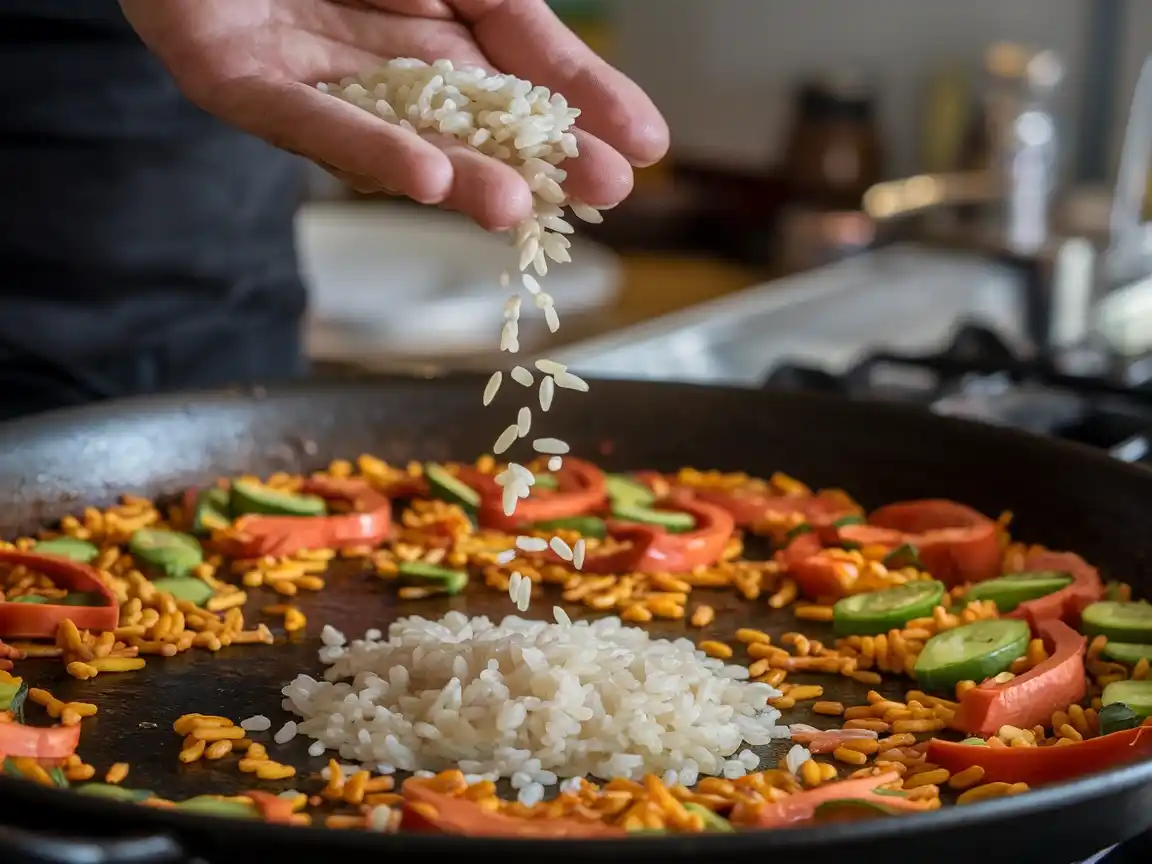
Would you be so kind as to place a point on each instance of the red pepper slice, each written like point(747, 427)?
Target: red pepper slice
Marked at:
point(801, 806)
point(1067, 603)
point(1038, 765)
point(258, 535)
point(580, 490)
point(273, 808)
point(749, 506)
point(653, 549)
point(466, 818)
point(956, 543)
point(39, 742)
point(1032, 698)
point(40, 620)
point(818, 576)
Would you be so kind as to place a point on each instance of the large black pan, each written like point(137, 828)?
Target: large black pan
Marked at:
point(1064, 496)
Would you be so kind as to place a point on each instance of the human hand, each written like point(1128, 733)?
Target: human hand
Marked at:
point(256, 63)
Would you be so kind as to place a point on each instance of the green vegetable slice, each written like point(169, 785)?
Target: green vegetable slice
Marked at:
point(444, 486)
point(1116, 717)
point(1008, 592)
point(1127, 652)
point(448, 581)
point(68, 547)
point(974, 652)
point(29, 598)
point(212, 510)
point(84, 598)
point(1124, 622)
point(851, 810)
point(676, 521)
point(844, 521)
point(625, 492)
point(585, 526)
point(1137, 695)
point(170, 552)
point(793, 533)
point(880, 611)
point(210, 805)
point(903, 556)
point(713, 822)
point(9, 769)
point(546, 481)
point(12, 693)
point(195, 591)
point(116, 793)
point(254, 498)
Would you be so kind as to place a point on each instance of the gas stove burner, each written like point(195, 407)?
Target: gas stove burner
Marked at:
point(796, 378)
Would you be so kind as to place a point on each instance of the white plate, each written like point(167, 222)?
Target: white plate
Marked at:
point(420, 280)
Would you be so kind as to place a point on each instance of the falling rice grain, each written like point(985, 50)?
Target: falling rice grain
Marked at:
point(571, 382)
point(522, 376)
point(507, 437)
point(531, 544)
point(524, 595)
point(561, 617)
point(510, 337)
point(555, 463)
point(493, 387)
point(578, 551)
point(506, 279)
point(547, 392)
point(552, 319)
point(511, 496)
point(551, 367)
point(549, 446)
point(506, 557)
point(524, 421)
point(561, 548)
point(512, 308)
point(530, 283)
point(544, 300)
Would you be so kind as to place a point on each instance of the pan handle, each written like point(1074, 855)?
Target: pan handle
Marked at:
point(29, 847)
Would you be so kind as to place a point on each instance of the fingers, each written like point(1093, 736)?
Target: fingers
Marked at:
point(490, 192)
point(525, 38)
point(326, 129)
point(599, 176)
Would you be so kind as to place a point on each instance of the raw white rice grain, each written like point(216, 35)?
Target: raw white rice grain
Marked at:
point(522, 376)
point(549, 446)
point(493, 387)
point(733, 769)
point(544, 301)
point(796, 757)
point(506, 557)
point(256, 723)
point(555, 463)
point(512, 308)
point(670, 778)
point(531, 794)
point(510, 337)
point(571, 382)
point(579, 548)
point(505, 279)
point(547, 392)
point(524, 595)
point(506, 439)
point(530, 283)
point(561, 617)
point(380, 818)
point(531, 544)
point(514, 585)
point(586, 212)
point(524, 422)
point(561, 548)
point(316, 748)
point(552, 319)
point(591, 698)
point(511, 496)
point(749, 760)
point(285, 733)
point(551, 367)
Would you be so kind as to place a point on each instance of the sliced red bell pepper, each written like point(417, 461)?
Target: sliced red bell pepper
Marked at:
point(955, 543)
point(754, 504)
point(273, 808)
point(40, 620)
point(818, 576)
point(39, 742)
point(1032, 698)
point(653, 549)
point(257, 535)
point(801, 806)
point(466, 818)
point(828, 740)
point(1067, 603)
point(580, 490)
point(1050, 764)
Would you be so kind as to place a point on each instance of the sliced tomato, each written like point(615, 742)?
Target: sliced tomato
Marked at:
point(653, 549)
point(1067, 603)
point(1051, 764)
point(39, 742)
point(1032, 698)
point(273, 808)
point(257, 535)
point(580, 490)
point(816, 573)
point(465, 818)
point(955, 543)
point(752, 504)
point(802, 806)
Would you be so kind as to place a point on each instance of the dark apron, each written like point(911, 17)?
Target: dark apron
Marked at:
point(144, 245)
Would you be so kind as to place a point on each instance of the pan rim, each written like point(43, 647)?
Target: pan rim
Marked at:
point(1079, 791)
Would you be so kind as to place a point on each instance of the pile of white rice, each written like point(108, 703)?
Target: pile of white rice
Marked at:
point(533, 701)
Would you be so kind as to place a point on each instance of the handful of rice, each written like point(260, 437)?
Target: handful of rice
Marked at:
point(532, 701)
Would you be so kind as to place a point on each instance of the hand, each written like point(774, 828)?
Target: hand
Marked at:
point(256, 63)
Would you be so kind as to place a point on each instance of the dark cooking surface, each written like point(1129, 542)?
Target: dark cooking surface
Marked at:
point(53, 465)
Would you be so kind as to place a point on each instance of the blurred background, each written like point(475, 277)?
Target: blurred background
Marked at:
point(845, 177)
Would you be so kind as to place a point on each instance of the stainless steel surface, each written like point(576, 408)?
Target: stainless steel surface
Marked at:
point(902, 297)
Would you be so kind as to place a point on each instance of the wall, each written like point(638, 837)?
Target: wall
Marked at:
point(723, 69)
